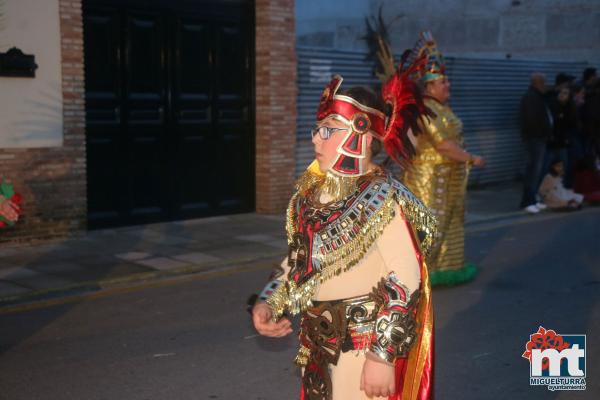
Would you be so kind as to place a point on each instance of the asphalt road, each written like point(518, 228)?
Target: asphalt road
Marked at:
point(192, 339)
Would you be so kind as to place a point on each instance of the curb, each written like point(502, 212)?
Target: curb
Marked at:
point(16, 302)
point(496, 217)
point(90, 287)
point(519, 217)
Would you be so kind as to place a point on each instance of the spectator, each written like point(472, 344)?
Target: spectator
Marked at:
point(563, 80)
point(589, 76)
point(554, 194)
point(536, 129)
point(564, 113)
point(587, 181)
point(578, 95)
point(591, 113)
point(577, 139)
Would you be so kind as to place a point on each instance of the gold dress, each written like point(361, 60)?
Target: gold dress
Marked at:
point(441, 184)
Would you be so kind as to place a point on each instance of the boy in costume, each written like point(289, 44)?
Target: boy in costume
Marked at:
point(355, 270)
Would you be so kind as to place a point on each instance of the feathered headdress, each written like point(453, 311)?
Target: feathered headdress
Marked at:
point(399, 89)
point(407, 107)
point(426, 46)
point(380, 51)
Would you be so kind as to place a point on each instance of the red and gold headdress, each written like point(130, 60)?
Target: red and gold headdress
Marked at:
point(401, 93)
point(427, 47)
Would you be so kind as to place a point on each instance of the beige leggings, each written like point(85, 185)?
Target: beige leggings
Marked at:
point(345, 378)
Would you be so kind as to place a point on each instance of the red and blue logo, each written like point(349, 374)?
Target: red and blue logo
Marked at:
point(556, 360)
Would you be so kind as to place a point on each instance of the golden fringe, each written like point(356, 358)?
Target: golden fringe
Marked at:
point(349, 254)
point(339, 187)
point(306, 181)
point(290, 217)
point(298, 298)
point(420, 219)
point(292, 297)
point(279, 300)
point(302, 357)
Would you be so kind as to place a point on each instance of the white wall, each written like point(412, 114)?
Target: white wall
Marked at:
point(31, 109)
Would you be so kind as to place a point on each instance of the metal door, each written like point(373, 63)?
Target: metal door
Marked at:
point(168, 111)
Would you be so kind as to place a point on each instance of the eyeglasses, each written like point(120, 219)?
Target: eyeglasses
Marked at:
point(325, 132)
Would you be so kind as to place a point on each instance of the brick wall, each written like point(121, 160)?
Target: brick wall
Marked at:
point(52, 181)
point(276, 90)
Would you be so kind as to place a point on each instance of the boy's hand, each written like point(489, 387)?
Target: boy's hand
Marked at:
point(262, 317)
point(378, 378)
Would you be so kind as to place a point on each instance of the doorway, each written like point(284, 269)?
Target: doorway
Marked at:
point(169, 110)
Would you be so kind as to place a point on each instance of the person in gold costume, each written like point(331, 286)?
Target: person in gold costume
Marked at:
point(440, 168)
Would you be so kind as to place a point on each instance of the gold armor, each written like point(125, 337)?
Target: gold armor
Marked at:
point(341, 242)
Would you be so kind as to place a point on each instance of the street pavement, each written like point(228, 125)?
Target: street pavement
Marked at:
point(109, 258)
point(189, 337)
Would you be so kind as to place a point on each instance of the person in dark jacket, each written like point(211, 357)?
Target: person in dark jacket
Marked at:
point(537, 125)
point(591, 113)
point(578, 141)
point(564, 112)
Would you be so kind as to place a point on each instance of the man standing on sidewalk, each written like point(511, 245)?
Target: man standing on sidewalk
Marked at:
point(536, 123)
point(591, 113)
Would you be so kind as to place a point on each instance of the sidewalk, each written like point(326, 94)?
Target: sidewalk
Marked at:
point(105, 258)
